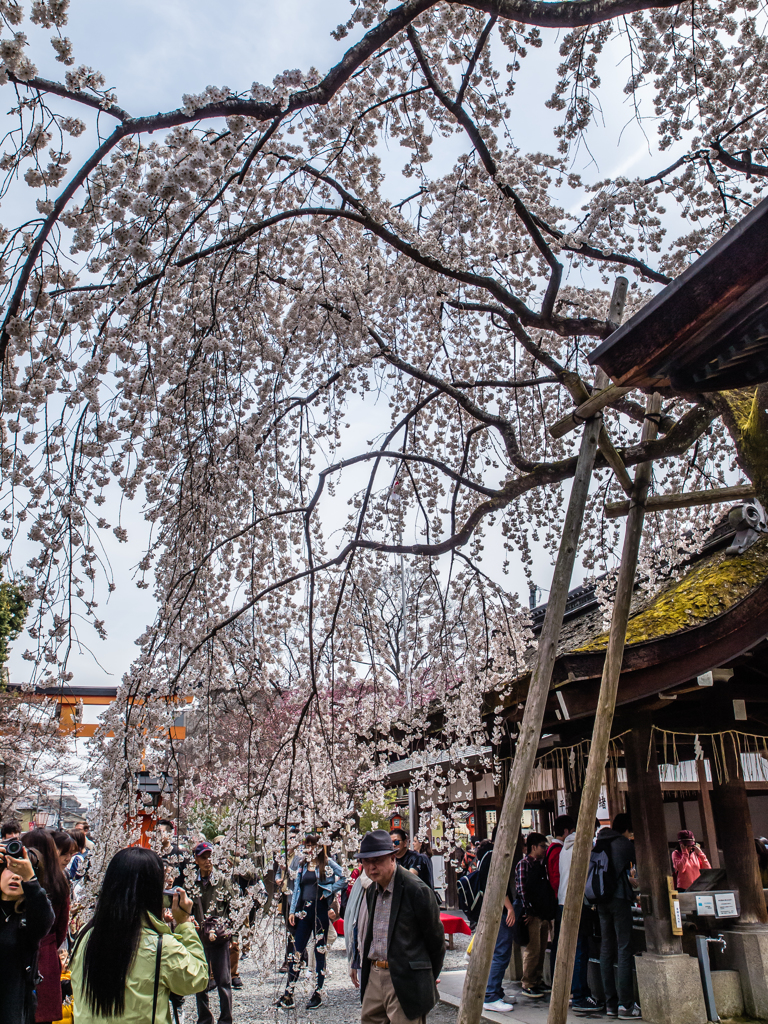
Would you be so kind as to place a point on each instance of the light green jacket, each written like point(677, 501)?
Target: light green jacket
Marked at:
point(183, 970)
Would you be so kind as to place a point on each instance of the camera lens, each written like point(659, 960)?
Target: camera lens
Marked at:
point(14, 847)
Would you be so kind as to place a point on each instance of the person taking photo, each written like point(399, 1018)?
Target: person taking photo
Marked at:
point(689, 860)
point(27, 916)
point(127, 961)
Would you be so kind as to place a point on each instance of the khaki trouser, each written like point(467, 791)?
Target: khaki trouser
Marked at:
point(234, 957)
point(380, 1004)
point(534, 952)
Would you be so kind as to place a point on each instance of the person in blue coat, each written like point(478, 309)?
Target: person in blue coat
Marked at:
point(318, 879)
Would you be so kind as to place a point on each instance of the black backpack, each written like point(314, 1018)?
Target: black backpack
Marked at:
point(601, 875)
point(539, 894)
point(471, 889)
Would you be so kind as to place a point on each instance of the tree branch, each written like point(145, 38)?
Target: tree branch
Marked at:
point(37, 246)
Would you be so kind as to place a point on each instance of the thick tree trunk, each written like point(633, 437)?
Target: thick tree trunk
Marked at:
point(745, 413)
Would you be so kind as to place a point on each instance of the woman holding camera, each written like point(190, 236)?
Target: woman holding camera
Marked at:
point(26, 916)
point(126, 961)
point(56, 885)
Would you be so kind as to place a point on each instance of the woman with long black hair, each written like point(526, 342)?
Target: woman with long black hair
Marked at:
point(56, 885)
point(318, 879)
point(127, 962)
point(25, 917)
point(67, 848)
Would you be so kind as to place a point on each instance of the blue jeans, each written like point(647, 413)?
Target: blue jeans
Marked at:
point(501, 954)
point(311, 920)
point(580, 985)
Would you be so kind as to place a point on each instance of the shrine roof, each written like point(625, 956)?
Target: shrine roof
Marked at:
point(708, 589)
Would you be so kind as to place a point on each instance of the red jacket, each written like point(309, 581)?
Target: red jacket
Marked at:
point(49, 966)
point(552, 861)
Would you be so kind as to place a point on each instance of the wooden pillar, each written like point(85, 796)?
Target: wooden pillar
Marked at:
point(734, 826)
point(615, 798)
point(653, 860)
point(528, 737)
point(476, 811)
point(572, 794)
point(709, 835)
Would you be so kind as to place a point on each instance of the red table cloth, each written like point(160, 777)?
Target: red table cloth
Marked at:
point(452, 925)
point(455, 925)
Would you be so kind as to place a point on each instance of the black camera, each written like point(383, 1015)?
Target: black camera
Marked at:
point(13, 847)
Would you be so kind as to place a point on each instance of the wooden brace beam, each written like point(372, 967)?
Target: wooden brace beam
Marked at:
point(663, 502)
point(588, 409)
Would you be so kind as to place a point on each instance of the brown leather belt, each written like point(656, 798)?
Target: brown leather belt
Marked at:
point(383, 965)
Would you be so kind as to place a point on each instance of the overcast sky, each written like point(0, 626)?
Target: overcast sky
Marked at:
point(153, 51)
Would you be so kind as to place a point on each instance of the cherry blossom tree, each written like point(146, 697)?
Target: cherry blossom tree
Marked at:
point(194, 316)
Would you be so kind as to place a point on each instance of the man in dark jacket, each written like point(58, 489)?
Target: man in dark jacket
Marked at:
point(416, 863)
point(616, 921)
point(404, 944)
point(211, 899)
point(538, 904)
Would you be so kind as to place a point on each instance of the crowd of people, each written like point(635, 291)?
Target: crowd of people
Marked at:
point(162, 927)
point(533, 908)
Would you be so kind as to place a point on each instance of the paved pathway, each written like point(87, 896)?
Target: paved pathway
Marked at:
point(525, 1011)
point(254, 1003)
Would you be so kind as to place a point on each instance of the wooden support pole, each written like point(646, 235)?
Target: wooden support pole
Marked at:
point(705, 813)
point(613, 459)
point(662, 502)
point(734, 822)
point(601, 733)
point(528, 739)
point(654, 864)
point(607, 392)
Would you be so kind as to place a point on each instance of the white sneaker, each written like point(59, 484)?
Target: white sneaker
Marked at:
point(498, 1006)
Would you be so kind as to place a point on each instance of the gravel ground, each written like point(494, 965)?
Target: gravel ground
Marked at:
point(254, 1002)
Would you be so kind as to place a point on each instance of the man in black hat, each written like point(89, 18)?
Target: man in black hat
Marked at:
point(404, 944)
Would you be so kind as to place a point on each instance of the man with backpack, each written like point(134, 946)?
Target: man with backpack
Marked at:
point(537, 903)
point(610, 888)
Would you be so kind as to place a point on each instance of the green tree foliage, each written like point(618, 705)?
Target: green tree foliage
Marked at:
point(207, 819)
point(375, 815)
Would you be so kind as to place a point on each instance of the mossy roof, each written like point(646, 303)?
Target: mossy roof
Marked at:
point(709, 589)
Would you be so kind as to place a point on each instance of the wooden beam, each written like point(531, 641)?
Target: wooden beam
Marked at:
point(689, 499)
point(614, 460)
point(601, 733)
point(528, 739)
point(709, 835)
point(586, 410)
